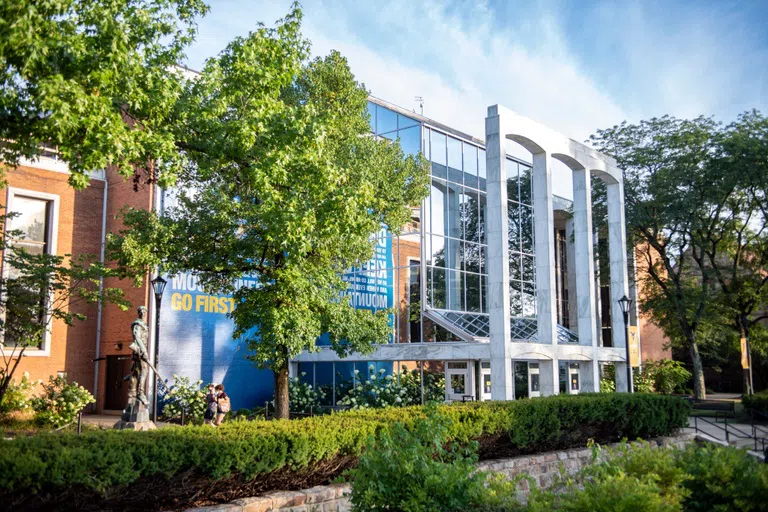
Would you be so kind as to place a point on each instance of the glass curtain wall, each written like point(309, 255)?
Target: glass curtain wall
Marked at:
point(454, 225)
point(390, 280)
point(522, 264)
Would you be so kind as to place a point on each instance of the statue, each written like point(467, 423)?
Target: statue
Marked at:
point(139, 368)
point(136, 415)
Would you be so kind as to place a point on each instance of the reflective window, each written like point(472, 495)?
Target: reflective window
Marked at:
point(455, 173)
point(405, 122)
point(470, 165)
point(372, 116)
point(438, 154)
point(386, 120)
point(410, 140)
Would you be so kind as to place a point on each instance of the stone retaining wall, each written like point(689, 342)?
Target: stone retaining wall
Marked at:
point(542, 467)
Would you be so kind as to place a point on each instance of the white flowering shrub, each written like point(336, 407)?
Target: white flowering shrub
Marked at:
point(434, 386)
point(16, 398)
point(379, 390)
point(302, 396)
point(60, 402)
point(187, 395)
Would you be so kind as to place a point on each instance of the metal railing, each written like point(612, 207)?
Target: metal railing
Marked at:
point(757, 433)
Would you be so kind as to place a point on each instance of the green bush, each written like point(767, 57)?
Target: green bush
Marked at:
point(60, 402)
point(698, 478)
point(667, 376)
point(757, 402)
point(415, 469)
point(100, 461)
point(185, 395)
point(16, 397)
point(434, 386)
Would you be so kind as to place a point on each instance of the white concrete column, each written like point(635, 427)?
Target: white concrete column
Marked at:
point(544, 246)
point(570, 260)
point(584, 257)
point(549, 377)
point(502, 383)
point(589, 374)
point(617, 247)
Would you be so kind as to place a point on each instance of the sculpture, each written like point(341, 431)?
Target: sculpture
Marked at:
point(136, 415)
point(139, 368)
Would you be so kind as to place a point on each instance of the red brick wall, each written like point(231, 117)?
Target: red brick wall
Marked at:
point(116, 324)
point(79, 232)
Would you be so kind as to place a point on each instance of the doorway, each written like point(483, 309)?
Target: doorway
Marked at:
point(117, 389)
point(485, 380)
point(457, 381)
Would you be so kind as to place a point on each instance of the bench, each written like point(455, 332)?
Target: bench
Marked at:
point(722, 409)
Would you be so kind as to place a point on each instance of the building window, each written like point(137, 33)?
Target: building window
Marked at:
point(35, 219)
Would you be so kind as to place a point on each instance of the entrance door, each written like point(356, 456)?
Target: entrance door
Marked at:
point(574, 384)
point(534, 385)
point(457, 381)
point(485, 380)
point(117, 389)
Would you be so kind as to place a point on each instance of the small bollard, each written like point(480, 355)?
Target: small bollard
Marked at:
point(79, 422)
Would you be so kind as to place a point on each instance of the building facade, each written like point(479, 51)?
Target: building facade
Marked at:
point(493, 283)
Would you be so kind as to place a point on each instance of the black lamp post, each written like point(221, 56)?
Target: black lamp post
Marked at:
point(158, 285)
point(625, 303)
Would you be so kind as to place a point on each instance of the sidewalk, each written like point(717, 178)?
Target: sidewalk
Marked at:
point(106, 421)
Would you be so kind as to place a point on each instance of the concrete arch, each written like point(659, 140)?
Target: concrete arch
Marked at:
point(526, 142)
point(607, 177)
point(568, 160)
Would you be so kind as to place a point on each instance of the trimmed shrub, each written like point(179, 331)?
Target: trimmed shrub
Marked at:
point(103, 460)
point(757, 402)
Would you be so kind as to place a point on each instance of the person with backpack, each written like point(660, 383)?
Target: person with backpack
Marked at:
point(223, 403)
point(211, 405)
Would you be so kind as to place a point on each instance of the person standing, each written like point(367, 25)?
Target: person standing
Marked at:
point(211, 405)
point(224, 405)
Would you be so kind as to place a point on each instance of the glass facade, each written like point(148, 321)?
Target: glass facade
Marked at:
point(434, 274)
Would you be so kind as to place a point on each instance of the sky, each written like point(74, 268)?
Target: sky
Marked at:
point(575, 65)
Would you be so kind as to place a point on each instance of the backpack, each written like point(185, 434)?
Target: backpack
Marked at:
point(224, 405)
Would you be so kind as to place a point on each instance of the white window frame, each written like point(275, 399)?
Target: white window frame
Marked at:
point(53, 239)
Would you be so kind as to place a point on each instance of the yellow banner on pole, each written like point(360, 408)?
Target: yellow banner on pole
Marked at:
point(744, 354)
point(634, 346)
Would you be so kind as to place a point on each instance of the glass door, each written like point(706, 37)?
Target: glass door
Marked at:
point(457, 381)
point(534, 385)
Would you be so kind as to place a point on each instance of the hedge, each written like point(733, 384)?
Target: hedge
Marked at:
point(101, 461)
point(757, 402)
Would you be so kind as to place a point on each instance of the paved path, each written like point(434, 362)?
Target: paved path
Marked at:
point(737, 431)
point(109, 420)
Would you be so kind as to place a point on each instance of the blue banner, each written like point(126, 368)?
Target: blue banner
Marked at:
point(196, 342)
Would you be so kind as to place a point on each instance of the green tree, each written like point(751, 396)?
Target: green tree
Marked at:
point(37, 289)
point(695, 206)
point(95, 79)
point(285, 184)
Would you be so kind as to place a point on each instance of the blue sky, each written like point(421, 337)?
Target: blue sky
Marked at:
point(575, 65)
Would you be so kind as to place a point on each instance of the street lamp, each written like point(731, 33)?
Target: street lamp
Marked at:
point(158, 286)
point(625, 303)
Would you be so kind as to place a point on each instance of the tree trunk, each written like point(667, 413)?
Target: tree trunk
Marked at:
point(699, 389)
point(281, 392)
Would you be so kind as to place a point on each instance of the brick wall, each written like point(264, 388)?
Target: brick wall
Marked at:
point(116, 324)
point(79, 232)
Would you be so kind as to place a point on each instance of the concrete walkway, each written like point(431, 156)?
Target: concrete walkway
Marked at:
point(107, 421)
point(739, 434)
